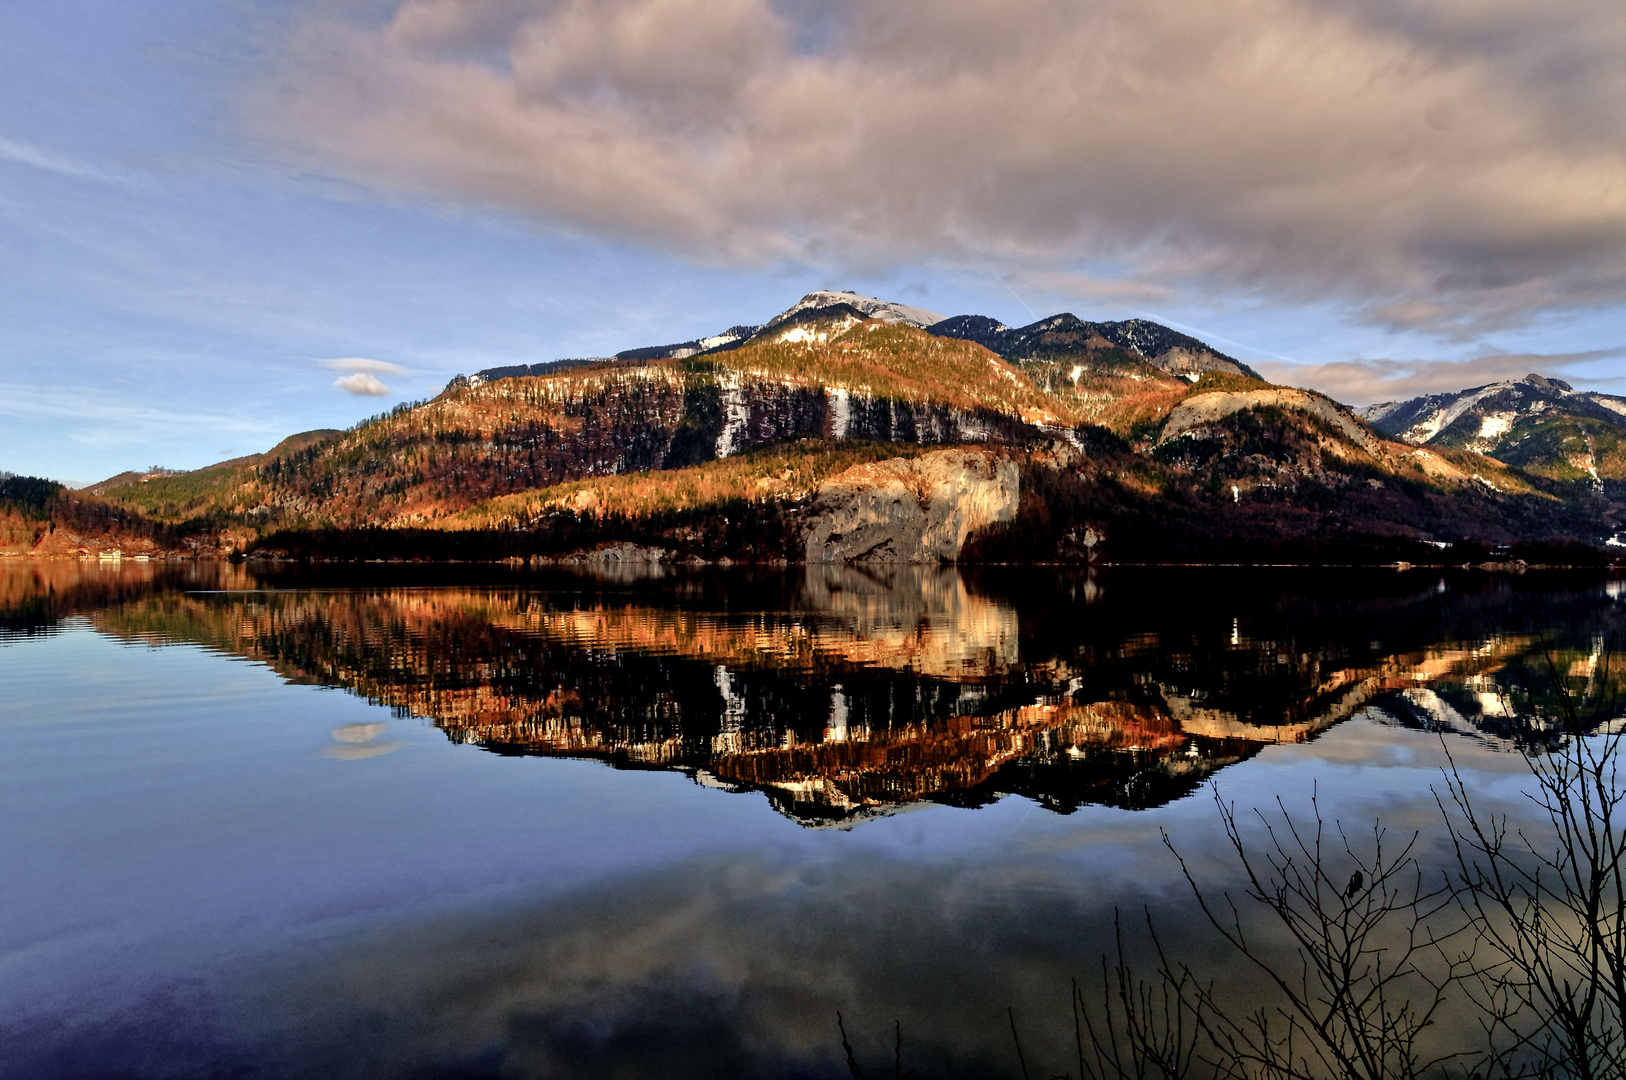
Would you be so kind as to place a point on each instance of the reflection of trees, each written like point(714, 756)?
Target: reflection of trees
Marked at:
point(864, 691)
point(37, 594)
point(1061, 754)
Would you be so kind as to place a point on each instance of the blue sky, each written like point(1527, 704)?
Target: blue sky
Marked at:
point(204, 207)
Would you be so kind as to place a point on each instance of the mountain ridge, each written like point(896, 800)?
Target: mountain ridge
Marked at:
point(1113, 440)
point(1168, 349)
point(1538, 423)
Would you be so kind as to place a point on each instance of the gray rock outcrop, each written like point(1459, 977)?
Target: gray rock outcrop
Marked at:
point(910, 510)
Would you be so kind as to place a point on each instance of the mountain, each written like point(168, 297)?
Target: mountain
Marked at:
point(868, 306)
point(1067, 336)
point(44, 518)
point(684, 349)
point(842, 429)
point(139, 514)
point(291, 444)
point(813, 305)
point(131, 476)
point(1122, 375)
point(822, 374)
point(1057, 338)
point(1541, 425)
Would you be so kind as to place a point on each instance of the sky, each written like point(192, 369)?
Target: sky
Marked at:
point(226, 221)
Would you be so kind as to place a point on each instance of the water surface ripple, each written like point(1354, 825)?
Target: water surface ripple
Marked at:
point(358, 821)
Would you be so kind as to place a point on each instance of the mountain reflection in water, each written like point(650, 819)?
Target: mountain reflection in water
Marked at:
point(844, 693)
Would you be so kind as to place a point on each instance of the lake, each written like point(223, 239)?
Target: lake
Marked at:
point(460, 821)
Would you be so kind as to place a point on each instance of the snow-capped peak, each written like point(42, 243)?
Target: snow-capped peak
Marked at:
point(884, 310)
point(1485, 418)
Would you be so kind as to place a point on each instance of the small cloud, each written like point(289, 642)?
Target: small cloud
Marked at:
point(359, 753)
point(362, 384)
point(362, 363)
point(359, 733)
point(358, 741)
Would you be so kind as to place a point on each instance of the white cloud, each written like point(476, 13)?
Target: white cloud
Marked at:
point(362, 384)
point(361, 363)
point(1441, 164)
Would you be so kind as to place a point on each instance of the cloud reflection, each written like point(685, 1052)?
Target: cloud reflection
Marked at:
point(357, 741)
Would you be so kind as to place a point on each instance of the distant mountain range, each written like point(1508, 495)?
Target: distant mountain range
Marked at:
point(851, 428)
point(1539, 424)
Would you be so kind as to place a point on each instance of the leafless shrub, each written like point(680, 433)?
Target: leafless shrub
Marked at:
point(1548, 904)
point(1374, 957)
point(1146, 1030)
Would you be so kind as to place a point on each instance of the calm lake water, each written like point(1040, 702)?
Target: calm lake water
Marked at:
point(381, 822)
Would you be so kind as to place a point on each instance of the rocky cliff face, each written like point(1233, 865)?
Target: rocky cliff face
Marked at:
point(755, 412)
point(911, 511)
point(480, 442)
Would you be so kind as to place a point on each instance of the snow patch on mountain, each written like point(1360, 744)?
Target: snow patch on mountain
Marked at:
point(841, 413)
point(815, 332)
point(1487, 414)
point(1376, 414)
point(727, 337)
point(736, 415)
point(1613, 404)
point(1440, 419)
point(869, 306)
